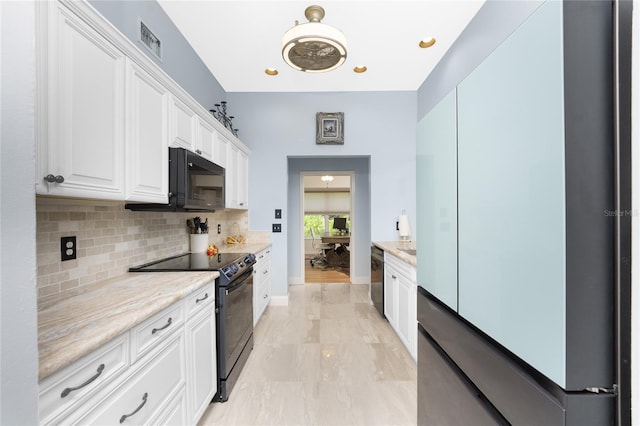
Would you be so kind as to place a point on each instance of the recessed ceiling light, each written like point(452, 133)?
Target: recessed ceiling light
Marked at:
point(271, 71)
point(360, 69)
point(427, 42)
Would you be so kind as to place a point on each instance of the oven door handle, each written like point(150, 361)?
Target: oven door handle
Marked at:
point(239, 282)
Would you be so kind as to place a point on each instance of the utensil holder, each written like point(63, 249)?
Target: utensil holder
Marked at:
point(198, 243)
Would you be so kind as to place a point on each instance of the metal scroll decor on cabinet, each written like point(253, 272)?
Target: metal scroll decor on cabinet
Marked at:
point(220, 113)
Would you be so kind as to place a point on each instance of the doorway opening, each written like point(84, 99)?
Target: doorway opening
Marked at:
point(327, 206)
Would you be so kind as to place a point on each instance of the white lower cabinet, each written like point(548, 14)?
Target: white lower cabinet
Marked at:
point(162, 371)
point(146, 392)
point(200, 330)
point(261, 283)
point(400, 293)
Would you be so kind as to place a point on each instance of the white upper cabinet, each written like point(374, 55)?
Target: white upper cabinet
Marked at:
point(236, 173)
point(147, 135)
point(183, 125)
point(81, 134)
point(206, 137)
point(106, 115)
point(220, 150)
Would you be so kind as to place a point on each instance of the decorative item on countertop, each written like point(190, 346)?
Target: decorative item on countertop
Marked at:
point(198, 235)
point(402, 226)
point(220, 113)
point(235, 237)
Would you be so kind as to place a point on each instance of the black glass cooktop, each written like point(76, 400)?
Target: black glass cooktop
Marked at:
point(191, 262)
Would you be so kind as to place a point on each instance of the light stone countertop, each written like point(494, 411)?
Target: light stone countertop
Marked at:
point(253, 247)
point(80, 324)
point(394, 247)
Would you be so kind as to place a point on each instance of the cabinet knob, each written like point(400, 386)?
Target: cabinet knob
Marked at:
point(198, 151)
point(52, 178)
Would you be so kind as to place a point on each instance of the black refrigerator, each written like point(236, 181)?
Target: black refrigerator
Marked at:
point(523, 227)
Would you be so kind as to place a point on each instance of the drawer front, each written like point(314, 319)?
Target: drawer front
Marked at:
point(199, 299)
point(154, 330)
point(145, 393)
point(409, 271)
point(65, 390)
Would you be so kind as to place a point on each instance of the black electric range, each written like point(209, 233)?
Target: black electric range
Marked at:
point(233, 307)
point(229, 265)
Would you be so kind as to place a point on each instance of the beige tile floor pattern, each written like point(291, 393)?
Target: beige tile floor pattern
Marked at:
point(328, 358)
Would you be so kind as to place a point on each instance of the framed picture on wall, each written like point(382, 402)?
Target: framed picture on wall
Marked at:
point(330, 128)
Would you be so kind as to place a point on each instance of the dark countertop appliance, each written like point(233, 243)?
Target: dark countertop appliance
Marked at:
point(234, 307)
point(195, 184)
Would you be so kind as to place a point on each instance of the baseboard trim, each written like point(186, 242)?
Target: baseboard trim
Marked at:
point(279, 300)
point(360, 280)
point(296, 280)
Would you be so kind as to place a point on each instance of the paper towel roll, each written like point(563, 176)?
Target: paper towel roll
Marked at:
point(403, 227)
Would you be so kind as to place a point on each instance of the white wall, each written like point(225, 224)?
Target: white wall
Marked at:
point(277, 126)
point(18, 315)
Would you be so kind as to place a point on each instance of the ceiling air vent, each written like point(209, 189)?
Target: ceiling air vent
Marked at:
point(150, 40)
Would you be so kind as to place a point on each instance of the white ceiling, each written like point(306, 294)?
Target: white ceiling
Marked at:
point(238, 40)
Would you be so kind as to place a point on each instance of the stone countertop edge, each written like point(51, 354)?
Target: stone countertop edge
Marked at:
point(393, 247)
point(244, 247)
point(76, 326)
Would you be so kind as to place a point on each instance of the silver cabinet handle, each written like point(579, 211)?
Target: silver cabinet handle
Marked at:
point(155, 330)
point(144, 401)
point(265, 296)
point(52, 178)
point(198, 151)
point(205, 297)
point(266, 272)
point(67, 391)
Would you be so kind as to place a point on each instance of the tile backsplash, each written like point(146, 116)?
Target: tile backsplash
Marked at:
point(110, 239)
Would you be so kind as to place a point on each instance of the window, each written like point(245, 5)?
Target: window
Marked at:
point(322, 223)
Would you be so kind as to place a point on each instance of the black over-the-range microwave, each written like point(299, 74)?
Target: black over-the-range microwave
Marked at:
point(195, 184)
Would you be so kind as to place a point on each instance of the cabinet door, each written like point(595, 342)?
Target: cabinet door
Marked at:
point(437, 201)
point(147, 129)
point(407, 321)
point(201, 363)
point(390, 295)
point(231, 171)
point(242, 180)
point(205, 140)
point(86, 111)
point(220, 150)
point(183, 126)
point(511, 180)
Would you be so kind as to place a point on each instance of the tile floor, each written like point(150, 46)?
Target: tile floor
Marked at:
point(328, 358)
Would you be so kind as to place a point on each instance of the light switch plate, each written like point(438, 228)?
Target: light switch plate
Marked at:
point(278, 213)
point(276, 227)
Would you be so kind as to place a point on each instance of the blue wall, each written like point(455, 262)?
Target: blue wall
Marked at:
point(179, 60)
point(278, 126)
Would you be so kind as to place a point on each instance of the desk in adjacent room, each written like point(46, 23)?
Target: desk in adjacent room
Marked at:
point(336, 239)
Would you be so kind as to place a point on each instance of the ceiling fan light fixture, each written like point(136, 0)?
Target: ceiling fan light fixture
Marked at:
point(314, 46)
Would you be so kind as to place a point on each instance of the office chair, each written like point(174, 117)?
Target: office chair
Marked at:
point(320, 259)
